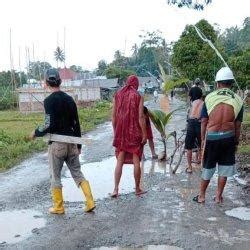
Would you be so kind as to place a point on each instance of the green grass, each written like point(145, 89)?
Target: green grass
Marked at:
point(247, 119)
point(16, 127)
point(244, 148)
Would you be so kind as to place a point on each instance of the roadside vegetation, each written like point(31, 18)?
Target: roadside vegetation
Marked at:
point(244, 147)
point(243, 154)
point(16, 127)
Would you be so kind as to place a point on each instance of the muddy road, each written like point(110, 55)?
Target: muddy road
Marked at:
point(164, 218)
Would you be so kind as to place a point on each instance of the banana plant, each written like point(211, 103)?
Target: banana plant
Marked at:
point(160, 120)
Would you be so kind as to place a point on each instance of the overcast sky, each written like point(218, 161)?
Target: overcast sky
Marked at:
point(96, 28)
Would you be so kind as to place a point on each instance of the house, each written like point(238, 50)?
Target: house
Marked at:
point(67, 74)
point(148, 82)
point(31, 99)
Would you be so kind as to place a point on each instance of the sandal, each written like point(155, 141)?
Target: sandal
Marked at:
point(114, 195)
point(188, 170)
point(196, 199)
point(221, 201)
point(196, 162)
point(140, 192)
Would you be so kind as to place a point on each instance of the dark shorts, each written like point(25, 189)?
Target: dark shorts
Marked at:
point(221, 152)
point(193, 137)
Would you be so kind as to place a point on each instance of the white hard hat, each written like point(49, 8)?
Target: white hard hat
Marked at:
point(224, 74)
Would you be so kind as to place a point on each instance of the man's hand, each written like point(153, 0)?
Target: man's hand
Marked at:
point(32, 136)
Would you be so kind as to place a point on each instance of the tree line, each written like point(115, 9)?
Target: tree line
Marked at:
point(189, 57)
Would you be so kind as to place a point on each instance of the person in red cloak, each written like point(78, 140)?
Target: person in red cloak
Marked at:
point(129, 131)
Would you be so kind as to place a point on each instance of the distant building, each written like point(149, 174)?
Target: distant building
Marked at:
point(148, 82)
point(84, 92)
point(67, 74)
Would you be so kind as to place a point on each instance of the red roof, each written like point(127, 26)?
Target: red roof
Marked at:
point(67, 74)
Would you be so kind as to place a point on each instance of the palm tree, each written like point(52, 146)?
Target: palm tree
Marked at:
point(160, 121)
point(59, 55)
point(134, 50)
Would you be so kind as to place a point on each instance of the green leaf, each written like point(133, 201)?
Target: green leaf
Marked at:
point(160, 119)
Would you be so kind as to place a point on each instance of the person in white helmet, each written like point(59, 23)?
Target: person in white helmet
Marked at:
point(221, 118)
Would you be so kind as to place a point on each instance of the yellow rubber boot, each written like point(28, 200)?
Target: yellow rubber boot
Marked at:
point(57, 201)
point(90, 204)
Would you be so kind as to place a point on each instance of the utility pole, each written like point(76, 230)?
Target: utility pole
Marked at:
point(13, 81)
point(64, 37)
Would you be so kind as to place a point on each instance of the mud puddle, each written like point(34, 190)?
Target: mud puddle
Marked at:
point(101, 177)
point(19, 225)
point(242, 213)
point(149, 247)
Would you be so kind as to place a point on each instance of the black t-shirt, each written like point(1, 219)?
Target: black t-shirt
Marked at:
point(61, 116)
point(195, 93)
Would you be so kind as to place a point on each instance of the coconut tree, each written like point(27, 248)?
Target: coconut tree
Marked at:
point(160, 121)
point(59, 55)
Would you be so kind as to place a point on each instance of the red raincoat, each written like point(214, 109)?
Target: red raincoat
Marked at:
point(127, 130)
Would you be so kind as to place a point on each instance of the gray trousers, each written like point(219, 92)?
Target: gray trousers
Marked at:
point(59, 153)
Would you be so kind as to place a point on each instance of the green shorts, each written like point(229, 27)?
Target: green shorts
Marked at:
point(223, 171)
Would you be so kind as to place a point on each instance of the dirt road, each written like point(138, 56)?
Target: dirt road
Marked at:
point(165, 216)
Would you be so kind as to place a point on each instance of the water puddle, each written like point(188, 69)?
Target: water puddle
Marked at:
point(241, 181)
point(149, 247)
point(18, 225)
point(101, 177)
point(242, 213)
point(212, 219)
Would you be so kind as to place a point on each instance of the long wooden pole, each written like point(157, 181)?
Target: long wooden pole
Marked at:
point(63, 138)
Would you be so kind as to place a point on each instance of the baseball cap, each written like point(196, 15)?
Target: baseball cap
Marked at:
point(52, 75)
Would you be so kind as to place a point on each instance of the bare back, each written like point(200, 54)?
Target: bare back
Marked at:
point(221, 118)
point(195, 111)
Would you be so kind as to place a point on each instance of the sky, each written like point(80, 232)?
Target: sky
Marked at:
point(95, 29)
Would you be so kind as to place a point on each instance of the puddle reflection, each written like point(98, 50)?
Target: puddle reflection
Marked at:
point(18, 225)
point(101, 177)
point(154, 166)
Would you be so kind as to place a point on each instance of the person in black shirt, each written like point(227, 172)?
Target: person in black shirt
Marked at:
point(195, 92)
point(61, 118)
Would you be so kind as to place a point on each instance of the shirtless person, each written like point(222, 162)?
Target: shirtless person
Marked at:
point(195, 92)
point(193, 131)
point(221, 116)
